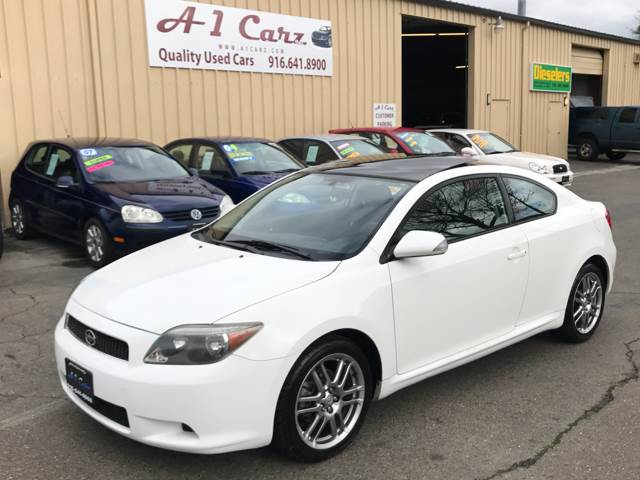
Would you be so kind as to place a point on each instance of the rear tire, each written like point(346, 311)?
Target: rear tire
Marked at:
point(585, 305)
point(616, 155)
point(97, 244)
point(20, 220)
point(587, 149)
point(331, 383)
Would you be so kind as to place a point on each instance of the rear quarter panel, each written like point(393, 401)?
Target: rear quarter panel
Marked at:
point(559, 246)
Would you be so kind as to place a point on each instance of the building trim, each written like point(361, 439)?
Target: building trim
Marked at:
point(518, 18)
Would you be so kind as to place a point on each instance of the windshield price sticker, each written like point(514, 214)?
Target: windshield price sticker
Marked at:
point(478, 140)
point(97, 163)
point(88, 152)
point(184, 34)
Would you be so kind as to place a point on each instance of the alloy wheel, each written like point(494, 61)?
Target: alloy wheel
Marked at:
point(585, 150)
point(587, 303)
point(17, 218)
point(330, 401)
point(94, 241)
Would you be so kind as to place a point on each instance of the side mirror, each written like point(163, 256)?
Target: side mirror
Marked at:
point(467, 152)
point(418, 243)
point(65, 181)
point(194, 172)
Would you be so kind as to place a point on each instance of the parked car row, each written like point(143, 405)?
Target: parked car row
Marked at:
point(115, 196)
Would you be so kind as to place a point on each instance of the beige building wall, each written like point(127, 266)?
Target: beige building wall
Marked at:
point(79, 67)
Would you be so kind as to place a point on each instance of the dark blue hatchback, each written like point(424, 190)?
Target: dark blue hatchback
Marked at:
point(238, 165)
point(112, 196)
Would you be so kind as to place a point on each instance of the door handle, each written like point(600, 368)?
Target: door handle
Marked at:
point(516, 255)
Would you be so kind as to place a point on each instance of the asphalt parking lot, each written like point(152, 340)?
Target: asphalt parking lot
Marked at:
point(539, 409)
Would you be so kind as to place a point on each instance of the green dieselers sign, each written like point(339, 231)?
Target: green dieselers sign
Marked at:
point(550, 78)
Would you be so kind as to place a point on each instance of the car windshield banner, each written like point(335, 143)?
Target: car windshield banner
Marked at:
point(203, 36)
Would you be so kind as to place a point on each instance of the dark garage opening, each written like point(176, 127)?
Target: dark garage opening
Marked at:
point(434, 73)
point(586, 90)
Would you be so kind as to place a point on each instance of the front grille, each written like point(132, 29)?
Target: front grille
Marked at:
point(111, 411)
point(182, 215)
point(559, 168)
point(103, 342)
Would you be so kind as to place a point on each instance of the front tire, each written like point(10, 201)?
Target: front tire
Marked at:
point(585, 306)
point(587, 149)
point(97, 244)
point(616, 155)
point(20, 221)
point(324, 401)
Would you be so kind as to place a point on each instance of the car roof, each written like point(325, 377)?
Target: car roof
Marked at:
point(461, 131)
point(222, 140)
point(376, 130)
point(79, 143)
point(327, 137)
point(412, 169)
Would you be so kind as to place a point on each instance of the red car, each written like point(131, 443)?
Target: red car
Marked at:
point(411, 141)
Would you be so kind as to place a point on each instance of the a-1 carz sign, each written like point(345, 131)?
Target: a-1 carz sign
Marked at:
point(203, 36)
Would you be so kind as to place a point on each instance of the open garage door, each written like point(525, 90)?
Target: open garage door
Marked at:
point(586, 61)
point(434, 73)
point(588, 67)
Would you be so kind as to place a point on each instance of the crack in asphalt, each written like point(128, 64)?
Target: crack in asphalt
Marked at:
point(14, 396)
point(34, 303)
point(605, 399)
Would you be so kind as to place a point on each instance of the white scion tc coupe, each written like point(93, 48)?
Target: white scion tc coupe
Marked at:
point(281, 321)
point(487, 148)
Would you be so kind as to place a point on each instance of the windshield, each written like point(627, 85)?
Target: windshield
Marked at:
point(425, 143)
point(490, 143)
point(255, 158)
point(356, 148)
point(129, 164)
point(316, 216)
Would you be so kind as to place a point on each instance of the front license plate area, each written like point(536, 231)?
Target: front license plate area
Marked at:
point(565, 179)
point(80, 381)
point(197, 226)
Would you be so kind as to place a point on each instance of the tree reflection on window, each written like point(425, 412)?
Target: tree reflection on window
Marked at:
point(460, 209)
point(528, 199)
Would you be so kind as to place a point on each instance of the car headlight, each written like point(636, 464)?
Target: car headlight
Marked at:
point(199, 344)
point(137, 214)
point(226, 204)
point(536, 167)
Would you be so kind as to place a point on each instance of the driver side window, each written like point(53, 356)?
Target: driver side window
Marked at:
point(209, 160)
point(460, 209)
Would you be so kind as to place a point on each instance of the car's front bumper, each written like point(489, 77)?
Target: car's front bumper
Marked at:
point(565, 178)
point(135, 236)
point(228, 405)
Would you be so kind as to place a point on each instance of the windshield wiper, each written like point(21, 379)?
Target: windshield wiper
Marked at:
point(271, 246)
point(256, 172)
point(287, 170)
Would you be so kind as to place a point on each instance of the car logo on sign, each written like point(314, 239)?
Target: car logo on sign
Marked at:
point(196, 214)
point(89, 337)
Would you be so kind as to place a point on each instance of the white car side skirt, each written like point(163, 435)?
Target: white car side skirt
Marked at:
point(529, 329)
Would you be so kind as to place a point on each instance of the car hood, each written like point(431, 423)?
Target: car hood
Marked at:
point(262, 180)
point(526, 157)
point(165, 195)
point(184, 280)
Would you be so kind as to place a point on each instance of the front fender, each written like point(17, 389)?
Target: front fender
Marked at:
point(354, 296)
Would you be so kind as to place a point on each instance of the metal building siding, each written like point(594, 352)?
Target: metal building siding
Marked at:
point(46, 80)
